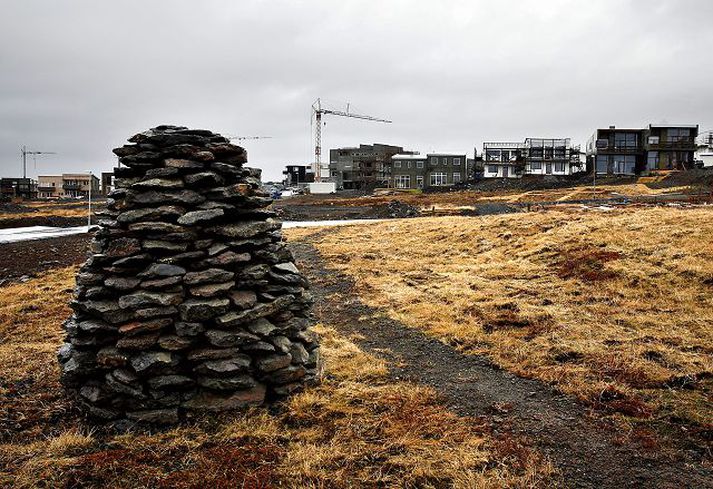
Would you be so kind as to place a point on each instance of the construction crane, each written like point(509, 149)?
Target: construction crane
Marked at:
point(317, 112)
point(243, 138)
point(26, 152)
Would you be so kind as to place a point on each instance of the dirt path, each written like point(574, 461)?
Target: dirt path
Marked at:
point(581, 447)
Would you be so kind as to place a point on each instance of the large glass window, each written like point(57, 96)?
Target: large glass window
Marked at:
point(624, 164)
point(492, 155)
point(602, 164)
point(492, 169)
point(402, 181)
point(625, 140)
point(439, 179)
point(652, 160)
point(456, 177)
point(456, 161)
point(536, 165)
point(559, 167)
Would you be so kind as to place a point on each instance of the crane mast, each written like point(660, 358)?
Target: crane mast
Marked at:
point(317, 112)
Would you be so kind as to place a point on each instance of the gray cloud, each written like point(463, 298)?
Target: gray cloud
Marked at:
point(78, 77)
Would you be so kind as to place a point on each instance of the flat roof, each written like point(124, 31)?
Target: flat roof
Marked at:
point(446, 154)
point(687, 126)
point(409, 157)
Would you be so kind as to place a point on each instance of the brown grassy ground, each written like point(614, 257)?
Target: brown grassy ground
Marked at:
point(471, 197)
point(356, 430)
point(616, 307)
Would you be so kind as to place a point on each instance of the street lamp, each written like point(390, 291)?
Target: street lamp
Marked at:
point(89, 216)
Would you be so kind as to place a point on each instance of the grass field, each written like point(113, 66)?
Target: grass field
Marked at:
point(358, 429)
point(613, 307)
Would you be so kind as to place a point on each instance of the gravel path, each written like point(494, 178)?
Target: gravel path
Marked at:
point(580, 446)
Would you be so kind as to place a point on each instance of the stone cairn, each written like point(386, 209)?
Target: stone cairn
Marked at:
point(190, 300)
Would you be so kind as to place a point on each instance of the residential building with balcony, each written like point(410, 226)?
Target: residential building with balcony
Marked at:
point(414, 171)
point(67, 185)
point(362, 167)
point(534, 156)
point(11, 188)
point(620, 151)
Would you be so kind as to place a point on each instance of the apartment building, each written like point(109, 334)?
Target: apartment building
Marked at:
point(297, 175)
point(534, 156)
point(362, 167)
point(621, 151)
point(67, 185)
point(11, 188)
point(413, 171)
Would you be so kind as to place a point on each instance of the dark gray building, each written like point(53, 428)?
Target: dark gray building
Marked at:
point(25, 188)
point(362, 167)
point(619, 151)
point(410, 171)
point(297, 175)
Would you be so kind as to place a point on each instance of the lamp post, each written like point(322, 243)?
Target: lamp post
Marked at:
point(89, 215)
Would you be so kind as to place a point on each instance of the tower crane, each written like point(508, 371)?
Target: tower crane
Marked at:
point(317, 112)
point(26, 152)
point(243, 138)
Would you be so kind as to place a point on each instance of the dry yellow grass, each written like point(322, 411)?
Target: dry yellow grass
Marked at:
point(616, 307)
point(357, 429)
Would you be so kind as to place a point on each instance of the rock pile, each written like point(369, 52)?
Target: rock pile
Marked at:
point(190, 300)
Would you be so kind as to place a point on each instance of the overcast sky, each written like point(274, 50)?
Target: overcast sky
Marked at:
point(79, 77)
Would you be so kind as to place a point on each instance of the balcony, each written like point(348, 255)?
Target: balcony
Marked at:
point(72, 186)
point(48, 188)
point(686, 144)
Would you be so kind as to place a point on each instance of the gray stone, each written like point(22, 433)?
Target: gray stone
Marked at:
point(111, 357)
point(155, 227)
point(189, 329)
point(261, 327)
point(229, 338)
point(95, 325)
point(163, 283)
point(259, 346)
point(174, 342)
point(140, 342)
point(212, 275)
point(255, 272)
point(209, 401)
point(226, 259)
point(162, 270)
point(246, 229)
point(183, 164)
point(287, 268)
point(211, 290)
point(217, 248)
point(123, 247)
point(153, 360)
point(160, 245)
point(141, 327)
point(287, 374)
point(273, 362)
point(238, 363)
point(244, 299)
point(299, 354)
point(170, 381)
point(282, 343)
point(260, 310)
point(200, 217)
point(187, 197)
point(162, 212)
point(203, 309)
point(122, 283)
point(212, 354)
point(154, 312)
point(159, 183)
point(144, 299)
point(204, 179)
point(227, 383)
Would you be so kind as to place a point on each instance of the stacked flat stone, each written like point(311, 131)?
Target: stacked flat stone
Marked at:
point(190, 300)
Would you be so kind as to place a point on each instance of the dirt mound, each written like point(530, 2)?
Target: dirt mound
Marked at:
point(398, 209)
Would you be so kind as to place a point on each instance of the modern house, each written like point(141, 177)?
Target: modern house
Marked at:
point(534, 156)
point(704, 154)
point(11, 188)
point(413, 171)
point(620, 151)
point(67, 185)
point(107, 182)
point(362, 167)
point(297, 175)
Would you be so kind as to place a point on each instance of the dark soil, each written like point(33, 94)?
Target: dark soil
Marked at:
point(585, 449)
point(52, 221)
point(322, 212)
point(31, 258)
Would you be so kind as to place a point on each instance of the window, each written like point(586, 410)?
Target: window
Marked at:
point(456, 161)
point(535, 165)
point(434, 160)
point(654, 139)
point(602, 164)
point(492, 169)
point(419, 164)
point(444, 160)
point(397, 164)
point(625, 140)
point(536, 152)
point(505, 155)
point(408, 164)
point(419, 181)
point(559, 167)
point(456, 177)
point(652, 160)
point(402, 181)
point(492, 155)
point(623, 164)
point(438, 179)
